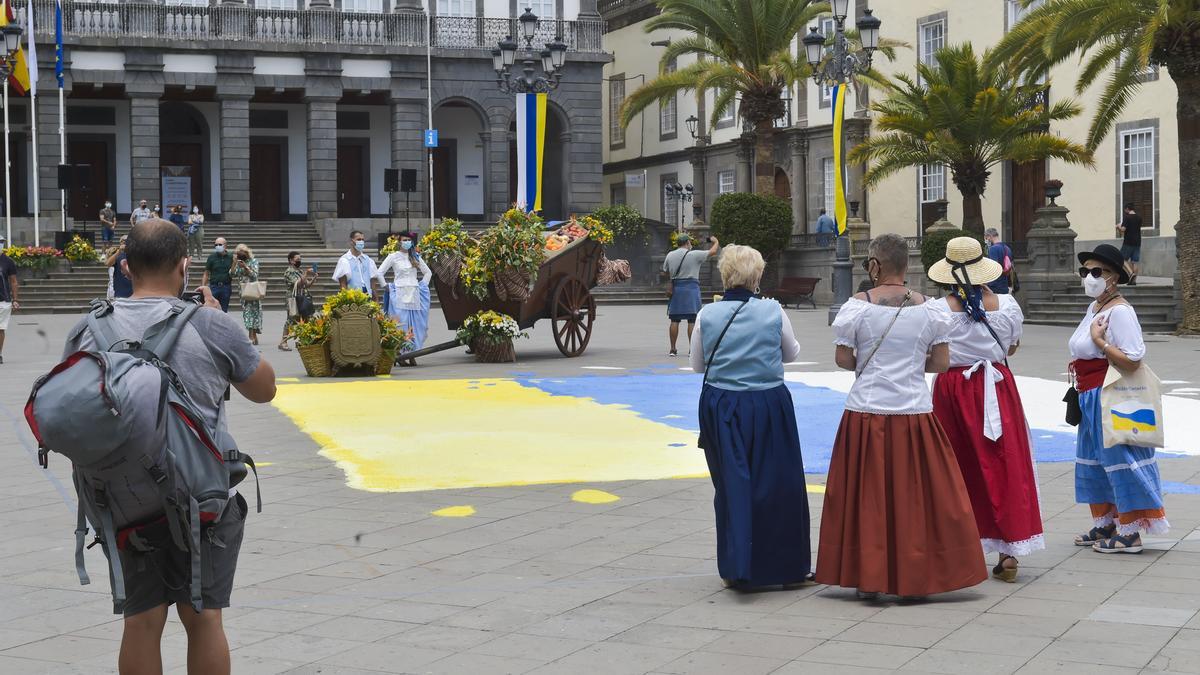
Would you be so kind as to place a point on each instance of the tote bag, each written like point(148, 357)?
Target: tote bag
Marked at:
point(254, 290)
point(1131, 409)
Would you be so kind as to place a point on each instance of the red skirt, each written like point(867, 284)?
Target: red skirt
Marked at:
point(999, 474)
point(897, 518)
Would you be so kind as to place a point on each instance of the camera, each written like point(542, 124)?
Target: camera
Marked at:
point(192, 296)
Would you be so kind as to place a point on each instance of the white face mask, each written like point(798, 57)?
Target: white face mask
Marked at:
point(1093, 286)
point(195, 209)
point(108, 205)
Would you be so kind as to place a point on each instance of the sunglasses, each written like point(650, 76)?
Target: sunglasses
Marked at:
point(1095, 272)
point(866, 264)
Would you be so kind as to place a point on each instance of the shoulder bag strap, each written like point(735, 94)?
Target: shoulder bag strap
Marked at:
point(680, 268)
point(161, 337)
point(879, 343)
point(98, 325)
point(717, 345)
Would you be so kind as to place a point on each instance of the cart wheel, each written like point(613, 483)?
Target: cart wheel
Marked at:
point(572, 311)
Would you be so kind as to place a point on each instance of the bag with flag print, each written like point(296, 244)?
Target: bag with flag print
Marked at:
point(1131, 408)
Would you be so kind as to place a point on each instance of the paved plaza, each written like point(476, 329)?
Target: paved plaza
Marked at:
point(552, 516)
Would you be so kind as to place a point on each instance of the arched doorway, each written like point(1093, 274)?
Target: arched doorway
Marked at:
point(184, 156)
point(783, 187)
point(555, 180)
point(459, 161)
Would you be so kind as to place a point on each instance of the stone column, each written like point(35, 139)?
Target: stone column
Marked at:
point(568, 201)
point(798, 145)
point(49, 155)
point(856, 131)
point(322, 158)
point(1051, 255)
point(235, 159)
point(144, 149)
point(496, 199)
point(745, 163)
point(408, 124)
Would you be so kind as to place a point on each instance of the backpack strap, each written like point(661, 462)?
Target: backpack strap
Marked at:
point(108, 535)
point(194, 513)
point(160, 338)
point(81, 530)
point(98, 320)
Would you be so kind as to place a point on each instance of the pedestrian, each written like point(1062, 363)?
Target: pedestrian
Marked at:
point(748, 430)
point(217, 276)
point(897, 518)
point(10, 293)
point(683, 267)
point(245, 270)
point(108, 223)
point(1130, 230)
point(979, 407)
point(177, 218)
point(408, 294)
point(998, 251)
point(295, 283)
point(195, 232)
point(210, 356)
point(826, 229)
point(122, 286)
point(355, 269)
point(140, 214)
point(1121, 483)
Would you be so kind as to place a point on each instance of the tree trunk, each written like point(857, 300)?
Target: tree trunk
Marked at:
point(1187, 230)
point(972, 212)
point(764, 157)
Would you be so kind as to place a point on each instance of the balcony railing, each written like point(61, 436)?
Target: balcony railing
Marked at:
point(182, 22)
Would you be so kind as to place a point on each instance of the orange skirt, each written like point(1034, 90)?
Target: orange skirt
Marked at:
point(897, 518)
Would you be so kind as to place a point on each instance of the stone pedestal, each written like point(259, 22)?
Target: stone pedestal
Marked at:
point(859, 232)
point(1052, 263)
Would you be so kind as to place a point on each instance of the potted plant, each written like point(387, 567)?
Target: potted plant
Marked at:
point(444, 249)
point(34, 261)
point(393, 342)
point(490, 336)
point(312, 343)
point(79, 251)
point(512, 251)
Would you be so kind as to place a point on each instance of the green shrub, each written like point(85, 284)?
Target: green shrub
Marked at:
point(761, 221)
point(626, 223)
point(933, 246)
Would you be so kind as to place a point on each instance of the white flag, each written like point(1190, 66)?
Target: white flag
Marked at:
point(31, 53)
point(635, 180)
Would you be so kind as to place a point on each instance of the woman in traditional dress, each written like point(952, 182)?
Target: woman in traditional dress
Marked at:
point(748, 430)
point(979, 407)
point(897, 518)
point(1120, 483)
point(408, 294)
point(245, 268)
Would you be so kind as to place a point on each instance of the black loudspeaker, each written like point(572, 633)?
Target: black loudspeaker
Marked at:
point(66, 176)
point(391, 180)
point(408, 180)
point(83, 176)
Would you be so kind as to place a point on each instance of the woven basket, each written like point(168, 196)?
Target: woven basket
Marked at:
point(511, 284)
point(494, 351)
point(612, 271)
point(447, 268)
point(316, 359)
point(387, 359)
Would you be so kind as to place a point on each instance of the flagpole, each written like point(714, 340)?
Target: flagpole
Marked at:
point(62, 156)
point(429, 101)
point(7, 172)
point(33, 143)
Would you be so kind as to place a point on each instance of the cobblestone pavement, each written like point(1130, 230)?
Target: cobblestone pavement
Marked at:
point(339, 580)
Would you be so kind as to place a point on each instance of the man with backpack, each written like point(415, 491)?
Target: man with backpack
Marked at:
point(1000, 252)
point(207, 352)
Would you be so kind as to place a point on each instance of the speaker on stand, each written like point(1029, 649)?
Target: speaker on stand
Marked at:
point(408, 185)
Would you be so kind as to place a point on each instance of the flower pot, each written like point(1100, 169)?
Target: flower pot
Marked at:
point(387, 359)
point(499, 350)
point(316, 359)
point(24, 273)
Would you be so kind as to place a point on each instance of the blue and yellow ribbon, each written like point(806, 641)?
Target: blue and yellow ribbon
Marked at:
point(839, 170)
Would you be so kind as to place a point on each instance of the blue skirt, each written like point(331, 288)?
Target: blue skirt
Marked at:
point(1124, 476)
point(416, 320)
point(761, 502)
point(685, 298)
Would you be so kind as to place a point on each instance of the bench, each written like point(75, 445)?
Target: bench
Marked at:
point(796, 290)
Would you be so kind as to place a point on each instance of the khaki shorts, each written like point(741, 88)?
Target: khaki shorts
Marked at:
point(5, 314)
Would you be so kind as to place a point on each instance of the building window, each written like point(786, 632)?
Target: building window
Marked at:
point(827, 184)
point(670, 203)
point(542, 9)
point(827, 29)
point(933, 183)
point(785, 120)
point(616, 96)
point(456, 7)
point(1137, 173)
point(931, 38)
point(187, 3)
point(616, 193)
point(668, 113)
point(275, 4)
point(726, 181)
point(372, 6)
point(1017, 10)
point(727, 114)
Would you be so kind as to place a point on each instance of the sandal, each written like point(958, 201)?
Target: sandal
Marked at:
point(1096, 535)
point(1128, 544)
point(283, 347)
point(1006, 574)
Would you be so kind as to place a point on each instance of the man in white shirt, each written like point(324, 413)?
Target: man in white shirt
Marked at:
point(355, 269)
point(140, 214)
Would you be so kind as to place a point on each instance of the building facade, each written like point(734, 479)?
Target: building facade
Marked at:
point(278, 110)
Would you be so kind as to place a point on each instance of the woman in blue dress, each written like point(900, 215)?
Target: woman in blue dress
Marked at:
point(748, 430)
point(408, 294)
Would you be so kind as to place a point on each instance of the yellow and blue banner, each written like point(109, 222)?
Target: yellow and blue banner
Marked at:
point(839, 169)
point(531, 149)
point(19, 79)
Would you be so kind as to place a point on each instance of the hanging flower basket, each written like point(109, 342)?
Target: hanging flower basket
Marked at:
point(316, 359)
point(447, 268)
point(511, 284)
point(494, 350)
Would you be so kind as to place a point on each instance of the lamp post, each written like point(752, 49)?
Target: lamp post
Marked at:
point(553, 59)
point(834, 65)
point(692, 123)
point(12, 42)
point(683, 194)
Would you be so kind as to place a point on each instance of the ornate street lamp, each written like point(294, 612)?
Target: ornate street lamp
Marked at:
point(834, 65)
point(8, 62)
point(553, 60)
point(693, 123)
point(683, 194)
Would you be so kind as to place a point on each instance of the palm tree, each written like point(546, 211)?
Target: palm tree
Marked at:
point(1121, 39)
point(968, 114)
point(745, 50)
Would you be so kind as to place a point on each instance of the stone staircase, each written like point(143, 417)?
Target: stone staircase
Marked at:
point(70, 292)
point(1156, 305)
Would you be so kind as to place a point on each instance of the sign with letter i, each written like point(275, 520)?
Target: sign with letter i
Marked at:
point(431, 138)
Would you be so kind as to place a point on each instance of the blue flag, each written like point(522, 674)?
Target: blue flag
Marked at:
point(58, 44)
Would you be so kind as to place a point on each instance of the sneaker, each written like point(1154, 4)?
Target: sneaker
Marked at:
point(1, 359)
point(673, 353)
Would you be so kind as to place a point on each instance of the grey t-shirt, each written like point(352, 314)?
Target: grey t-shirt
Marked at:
point(692, 260)
point(212, 351)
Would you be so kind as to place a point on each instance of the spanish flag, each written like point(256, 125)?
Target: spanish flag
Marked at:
point(839, 151)
point(531, 149)
point(19, 80)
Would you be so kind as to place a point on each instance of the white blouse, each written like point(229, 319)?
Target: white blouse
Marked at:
point(405, 276)
point(1124, 332)
point(970, 341)
point(893, 383)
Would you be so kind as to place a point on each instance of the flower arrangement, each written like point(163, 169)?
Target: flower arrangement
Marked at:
point(597, 230)
point(348, 298)
point(474, 275)
point(512, 252)
point(446, 238)
point(395, 339)
point(312, 332)
point(80, 250)
point(33, 257)
point(489, 326)
point(392, 245)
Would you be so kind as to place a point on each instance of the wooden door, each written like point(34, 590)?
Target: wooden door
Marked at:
point(90, 188)
point(445, 183)
point(266, 182)
point(351, 194)
point(1027, 196)
point(183, 154)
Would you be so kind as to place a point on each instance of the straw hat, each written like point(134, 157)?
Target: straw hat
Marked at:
point(965, 264)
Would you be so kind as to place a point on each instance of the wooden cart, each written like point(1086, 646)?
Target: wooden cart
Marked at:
point(561, 293)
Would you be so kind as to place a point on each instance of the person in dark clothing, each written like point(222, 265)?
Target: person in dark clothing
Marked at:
point(122, 286)
point(1000, 252)
point(9, 293)
point(178, 218)
point(217, 274)
point(1131, 241)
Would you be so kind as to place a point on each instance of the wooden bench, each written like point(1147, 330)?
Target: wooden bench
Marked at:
point(796, 290)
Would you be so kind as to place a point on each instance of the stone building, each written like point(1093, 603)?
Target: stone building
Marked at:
point(291, 110)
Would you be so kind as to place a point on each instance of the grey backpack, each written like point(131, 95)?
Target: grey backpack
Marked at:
point(143, 455)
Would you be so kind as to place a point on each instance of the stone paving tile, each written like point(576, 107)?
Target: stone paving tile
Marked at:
point(1100, 653)
point(716, 663)
point(982, 639)
point(483, 664)
point(661, 635)
point(1052, 665)
point(301, 648)
point(619, 658)
point(896, 635)
point(802, 667)
point(67, 649)
point(860, 654)
point(781, 647)
point(544, 649)
point(386, 657)
point(938, 660)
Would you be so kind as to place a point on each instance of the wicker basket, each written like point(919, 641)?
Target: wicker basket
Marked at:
point(511, 284)
point(610, 272)
point(387, 359)
point(316, 359)
point(494, 351)
point(447, 268)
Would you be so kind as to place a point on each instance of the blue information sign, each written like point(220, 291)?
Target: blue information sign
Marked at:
point(431, 138)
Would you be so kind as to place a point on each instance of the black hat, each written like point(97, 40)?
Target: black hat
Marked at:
point(1111, 256)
